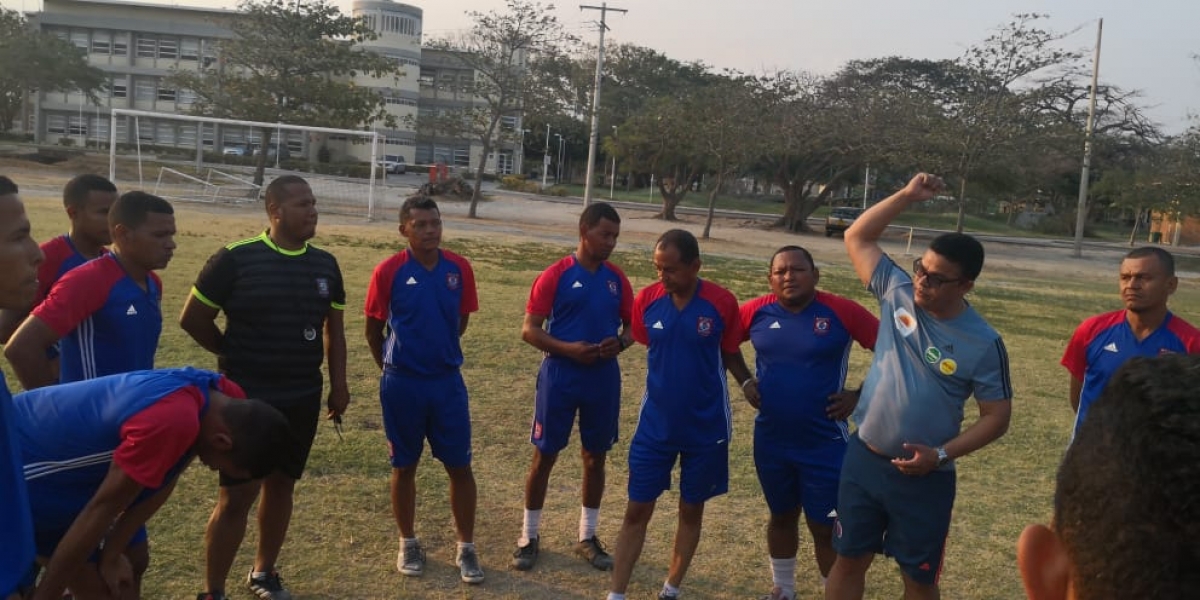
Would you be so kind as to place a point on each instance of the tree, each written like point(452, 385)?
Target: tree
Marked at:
point(727, 136)
point(498, 48)
point(291, 61)
point(32, 61)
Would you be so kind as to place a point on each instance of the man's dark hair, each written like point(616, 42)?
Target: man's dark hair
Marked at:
point(1127, 506)
point(591, 216)
point(683, 241)
point(7, 186)
point(962, 250)
point(277, 189)
point(807, 256)
point(132, 208)
point(417, 202)
point(75, 193)
point(1164, 258)
point(261, 436)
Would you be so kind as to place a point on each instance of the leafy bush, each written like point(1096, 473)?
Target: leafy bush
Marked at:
point(516, 183)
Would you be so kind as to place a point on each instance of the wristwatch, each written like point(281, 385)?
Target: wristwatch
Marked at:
point(943, 458)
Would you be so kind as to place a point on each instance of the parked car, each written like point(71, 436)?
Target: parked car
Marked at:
point(840, 219)
point(284, 153)
point(235, 150)
point(395, 167)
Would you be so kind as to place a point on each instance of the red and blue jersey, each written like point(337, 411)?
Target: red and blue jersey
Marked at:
point(144, 422)
point(581, 306)
point(801, 359)
point(16, 526)
point(686, 405)
point(422, 308)
point(1101, 344)
point(107, 322)
point(61, 256)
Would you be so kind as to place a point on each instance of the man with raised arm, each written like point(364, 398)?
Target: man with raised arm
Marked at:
point(932, 353)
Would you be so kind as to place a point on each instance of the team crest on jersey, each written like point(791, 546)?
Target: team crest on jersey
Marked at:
point(612, 287)
point(322, 287)
point(821, 325)
point(906, 323)
point(453, 281)
point(704, 326)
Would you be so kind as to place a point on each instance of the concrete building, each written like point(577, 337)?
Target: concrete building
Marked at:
point(138, 44)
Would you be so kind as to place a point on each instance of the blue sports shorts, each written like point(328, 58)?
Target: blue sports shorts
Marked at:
point(565, 388)
point(420, 407)
point(807, 477)
point(703, 474)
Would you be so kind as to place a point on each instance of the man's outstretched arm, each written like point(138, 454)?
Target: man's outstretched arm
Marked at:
point(862, 238)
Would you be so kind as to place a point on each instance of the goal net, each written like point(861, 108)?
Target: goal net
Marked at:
point(205, 159)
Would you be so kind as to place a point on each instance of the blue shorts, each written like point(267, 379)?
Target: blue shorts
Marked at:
point(47, 540)
point(416, 407)
point(799, 477)
point(564, 388)
point(882, 510)
point(702, 474)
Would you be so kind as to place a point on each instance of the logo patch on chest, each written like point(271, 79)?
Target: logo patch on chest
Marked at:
point(453, 281)
point(821, 325)
point(906, 323)
point(613, 288)
point(704, 326)
point(322, 287)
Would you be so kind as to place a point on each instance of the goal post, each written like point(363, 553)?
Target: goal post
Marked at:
point(208, 159)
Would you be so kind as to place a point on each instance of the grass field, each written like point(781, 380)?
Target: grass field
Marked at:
point(343, 540)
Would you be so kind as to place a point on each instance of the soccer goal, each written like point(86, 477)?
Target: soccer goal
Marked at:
point(205, 159)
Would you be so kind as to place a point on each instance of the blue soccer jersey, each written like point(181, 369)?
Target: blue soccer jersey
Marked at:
point(16, 525)
point(581, 306)
point(686, 404)
point(1101, 344)
point(107, 322)
point(801, 359)
point(71, 434)
point(422, 308)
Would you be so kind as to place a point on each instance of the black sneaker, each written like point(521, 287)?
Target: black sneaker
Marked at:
point(210, 596)
point(592, 551)
point(525, 556)
point(468, 566)
point(666, 596)
point(410, 560)
point(268, 586)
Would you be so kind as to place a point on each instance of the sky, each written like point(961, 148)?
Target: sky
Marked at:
point(1148, 45)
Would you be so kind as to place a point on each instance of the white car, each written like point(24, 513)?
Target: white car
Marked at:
point(395, 167)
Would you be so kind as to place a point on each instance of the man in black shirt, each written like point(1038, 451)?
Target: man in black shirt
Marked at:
point(278, 294)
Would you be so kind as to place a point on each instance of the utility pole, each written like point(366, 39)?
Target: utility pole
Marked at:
point(1081, 210)
point(591, 165)
point(546, 158)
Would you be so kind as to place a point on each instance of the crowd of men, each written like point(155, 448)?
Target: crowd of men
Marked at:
point(94, 446)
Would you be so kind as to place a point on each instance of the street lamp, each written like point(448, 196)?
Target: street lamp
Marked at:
point(521, 163)
point(558, 176)
point(612, 184)
point(546, 158)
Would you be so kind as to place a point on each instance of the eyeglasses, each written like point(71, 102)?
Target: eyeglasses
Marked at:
point(931, 279)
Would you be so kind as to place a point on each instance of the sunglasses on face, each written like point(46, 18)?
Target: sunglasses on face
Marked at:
point(931, 279)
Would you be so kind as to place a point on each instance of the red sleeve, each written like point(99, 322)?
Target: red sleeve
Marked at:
point(230, 388)
point(862, 325)
point(1186, 333)
point(734, 333)
point(77, 295)
point(56, 251)
point(1075, 356)
point(638, 324)
point(379, 290)
point(470, 296)
point(541, 295)
point(153, 440)
point(751, 308)
point(626, 309)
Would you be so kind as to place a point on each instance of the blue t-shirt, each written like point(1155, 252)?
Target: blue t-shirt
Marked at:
point(16, 524)
point(925, 369)
point(581, 306)
point(801, 359)
point(686, 405)
point(423, 309)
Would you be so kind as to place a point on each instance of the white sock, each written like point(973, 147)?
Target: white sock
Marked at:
point(588, 517)
point(783, 575)
point(412, 541)
point(824, 581)
point(465, 546)
point(529, 530)
point(615, 596)
point(669, 589)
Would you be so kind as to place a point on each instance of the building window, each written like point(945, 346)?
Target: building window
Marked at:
point(120, 44)
point(426, 78)
point(80, 39)
point(168, 48)
point(99, 128)
point(101, 42)
point(143, 89)
point(462, 157)
point(166, 94)
point(118, 88)
point(186, 97)
point(56, 124)
point(187, 135)
point(508, 123)
point(147, 47)
point(189, 49)
point(76, 126)
point(165, 133)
